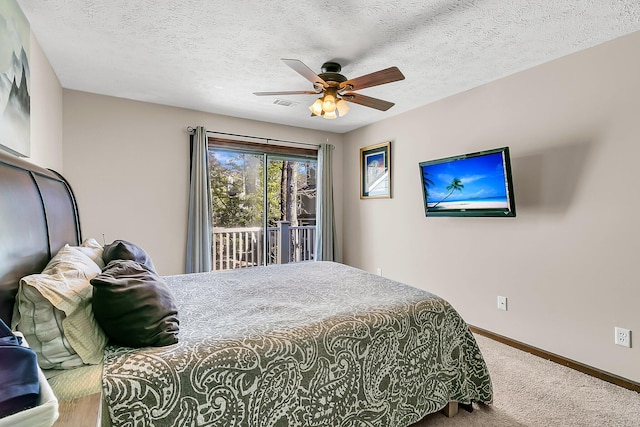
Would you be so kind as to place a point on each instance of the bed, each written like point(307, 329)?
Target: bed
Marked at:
point(307, 344)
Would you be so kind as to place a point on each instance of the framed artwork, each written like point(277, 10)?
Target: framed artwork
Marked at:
point(15, 101)
point(375, 171)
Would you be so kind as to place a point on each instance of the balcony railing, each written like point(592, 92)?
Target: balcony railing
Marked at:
point(244, 247)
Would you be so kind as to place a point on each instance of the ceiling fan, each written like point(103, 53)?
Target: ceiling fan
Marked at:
point(336, 88)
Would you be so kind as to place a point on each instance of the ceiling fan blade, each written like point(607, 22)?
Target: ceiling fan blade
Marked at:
point(367, 101)
point(305, 71)
point(391, 74)
point(290, 92)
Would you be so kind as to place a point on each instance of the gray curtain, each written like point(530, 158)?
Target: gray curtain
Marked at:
point(326, 243)
point(199, 225)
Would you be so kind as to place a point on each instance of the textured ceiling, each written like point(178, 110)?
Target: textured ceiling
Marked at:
point(212, 55)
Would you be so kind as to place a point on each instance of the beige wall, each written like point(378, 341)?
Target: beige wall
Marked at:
point(46, 111)
point(128, 163)
point(568, 262)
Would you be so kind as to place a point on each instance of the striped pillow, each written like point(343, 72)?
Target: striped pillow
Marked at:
point(53, 311)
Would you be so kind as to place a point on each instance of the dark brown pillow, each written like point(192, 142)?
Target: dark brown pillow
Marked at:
point(134, 306)
point(121, 249)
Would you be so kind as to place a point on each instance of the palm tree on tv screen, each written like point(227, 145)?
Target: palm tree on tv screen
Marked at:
point(456, 185)
point(427, 182)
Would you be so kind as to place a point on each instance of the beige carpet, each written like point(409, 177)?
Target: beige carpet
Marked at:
point(531, 391)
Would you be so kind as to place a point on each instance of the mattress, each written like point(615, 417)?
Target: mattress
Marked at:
point(307, 344)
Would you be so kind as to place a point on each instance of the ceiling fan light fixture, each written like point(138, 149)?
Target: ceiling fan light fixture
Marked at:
point(329, 103)
point(329, 106)
point(316, 107)
point(343, 107)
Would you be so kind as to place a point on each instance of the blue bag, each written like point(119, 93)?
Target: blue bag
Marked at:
point(19, 385)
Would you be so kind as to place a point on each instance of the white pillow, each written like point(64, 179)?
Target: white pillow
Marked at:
point(53, 311)
point(93, 250)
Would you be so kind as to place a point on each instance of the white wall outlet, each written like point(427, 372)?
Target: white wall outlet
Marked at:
point(623, 337)
point(502, 303)
point(379, 271)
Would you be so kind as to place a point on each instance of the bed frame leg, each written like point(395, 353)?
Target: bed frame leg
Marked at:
point(451, 409)
point(466, 406)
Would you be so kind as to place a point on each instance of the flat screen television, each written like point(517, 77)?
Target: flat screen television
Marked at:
point(475, 184)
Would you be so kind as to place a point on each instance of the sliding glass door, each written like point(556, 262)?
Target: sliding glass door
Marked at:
point(263, 207)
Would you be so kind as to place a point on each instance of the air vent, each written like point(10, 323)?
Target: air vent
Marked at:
point(285, 103)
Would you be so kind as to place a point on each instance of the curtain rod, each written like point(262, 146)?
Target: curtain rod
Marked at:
point(191, 129)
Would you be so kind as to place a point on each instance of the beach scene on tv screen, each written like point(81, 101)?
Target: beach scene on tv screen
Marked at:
point(466, 184)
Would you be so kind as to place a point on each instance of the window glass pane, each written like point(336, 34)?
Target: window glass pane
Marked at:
point(291, 197)
point(237, 199)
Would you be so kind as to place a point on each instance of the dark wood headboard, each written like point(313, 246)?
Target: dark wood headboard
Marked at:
point(38, 215)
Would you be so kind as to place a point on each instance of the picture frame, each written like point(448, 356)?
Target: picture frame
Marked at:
point(375, 171)
point(15, 104)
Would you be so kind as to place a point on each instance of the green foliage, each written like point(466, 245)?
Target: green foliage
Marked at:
point(237, 188)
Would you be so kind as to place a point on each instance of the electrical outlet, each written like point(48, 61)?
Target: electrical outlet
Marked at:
point(379, 271)
point(623, 337)
point(502, 303)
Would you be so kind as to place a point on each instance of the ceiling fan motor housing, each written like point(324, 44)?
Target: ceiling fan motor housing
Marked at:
point(331, 73)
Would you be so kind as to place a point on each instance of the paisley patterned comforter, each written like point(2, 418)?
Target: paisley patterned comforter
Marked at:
point(309, 344)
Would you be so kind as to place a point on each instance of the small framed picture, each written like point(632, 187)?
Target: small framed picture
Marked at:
point(375, 171)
